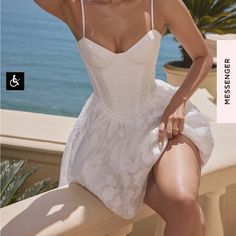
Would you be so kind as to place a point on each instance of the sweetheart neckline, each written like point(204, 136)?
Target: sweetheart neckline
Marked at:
point(120, 53)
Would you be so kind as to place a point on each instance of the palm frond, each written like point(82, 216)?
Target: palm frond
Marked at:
point(12, 179)
point(13, 187)
point(209, 14)
point(8, 172)
point(37, 188)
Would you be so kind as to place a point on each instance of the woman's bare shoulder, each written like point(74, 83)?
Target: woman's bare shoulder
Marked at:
point(170, 7)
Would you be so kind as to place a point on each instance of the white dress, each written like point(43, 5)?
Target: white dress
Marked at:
point(113, 144)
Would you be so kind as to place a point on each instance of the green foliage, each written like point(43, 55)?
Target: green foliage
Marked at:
point(210, 16)
point(12, 178)
point(214, 16)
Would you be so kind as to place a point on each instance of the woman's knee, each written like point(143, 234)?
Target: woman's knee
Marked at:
point(185, 200)
point(183, 204)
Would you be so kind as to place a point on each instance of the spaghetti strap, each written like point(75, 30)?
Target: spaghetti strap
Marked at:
point(83, 18)
point(152, 14)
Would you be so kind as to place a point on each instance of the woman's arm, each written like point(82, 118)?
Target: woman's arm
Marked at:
point(58, 8)
point(180, 23)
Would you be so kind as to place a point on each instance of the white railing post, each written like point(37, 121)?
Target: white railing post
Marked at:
point(122, 231)
point(160, 226)
point(214, 225)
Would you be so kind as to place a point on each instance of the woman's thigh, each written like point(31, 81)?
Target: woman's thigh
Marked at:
point(175, 177)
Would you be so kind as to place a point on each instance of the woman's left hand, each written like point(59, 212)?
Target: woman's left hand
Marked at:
point(172, 123)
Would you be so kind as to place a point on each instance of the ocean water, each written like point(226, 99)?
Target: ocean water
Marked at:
point(43, 47)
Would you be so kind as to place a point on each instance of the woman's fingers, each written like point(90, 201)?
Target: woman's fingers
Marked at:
point(161, 132)
point(169, 128)
point(181, 124)
point(181, 117)
point(176, 128)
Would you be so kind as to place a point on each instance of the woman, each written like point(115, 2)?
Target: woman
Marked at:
point(137, 139)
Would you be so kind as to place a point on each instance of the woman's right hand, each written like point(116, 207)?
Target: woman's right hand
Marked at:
point(171, 124)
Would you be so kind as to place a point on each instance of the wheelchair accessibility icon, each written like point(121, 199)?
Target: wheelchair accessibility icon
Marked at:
point(14, 82)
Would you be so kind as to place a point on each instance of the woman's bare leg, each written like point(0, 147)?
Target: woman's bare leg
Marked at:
point(172, 189)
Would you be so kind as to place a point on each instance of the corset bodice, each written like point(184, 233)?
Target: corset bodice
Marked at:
point(123, 82)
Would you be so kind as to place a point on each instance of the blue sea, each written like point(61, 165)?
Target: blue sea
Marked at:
point(43, 47)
